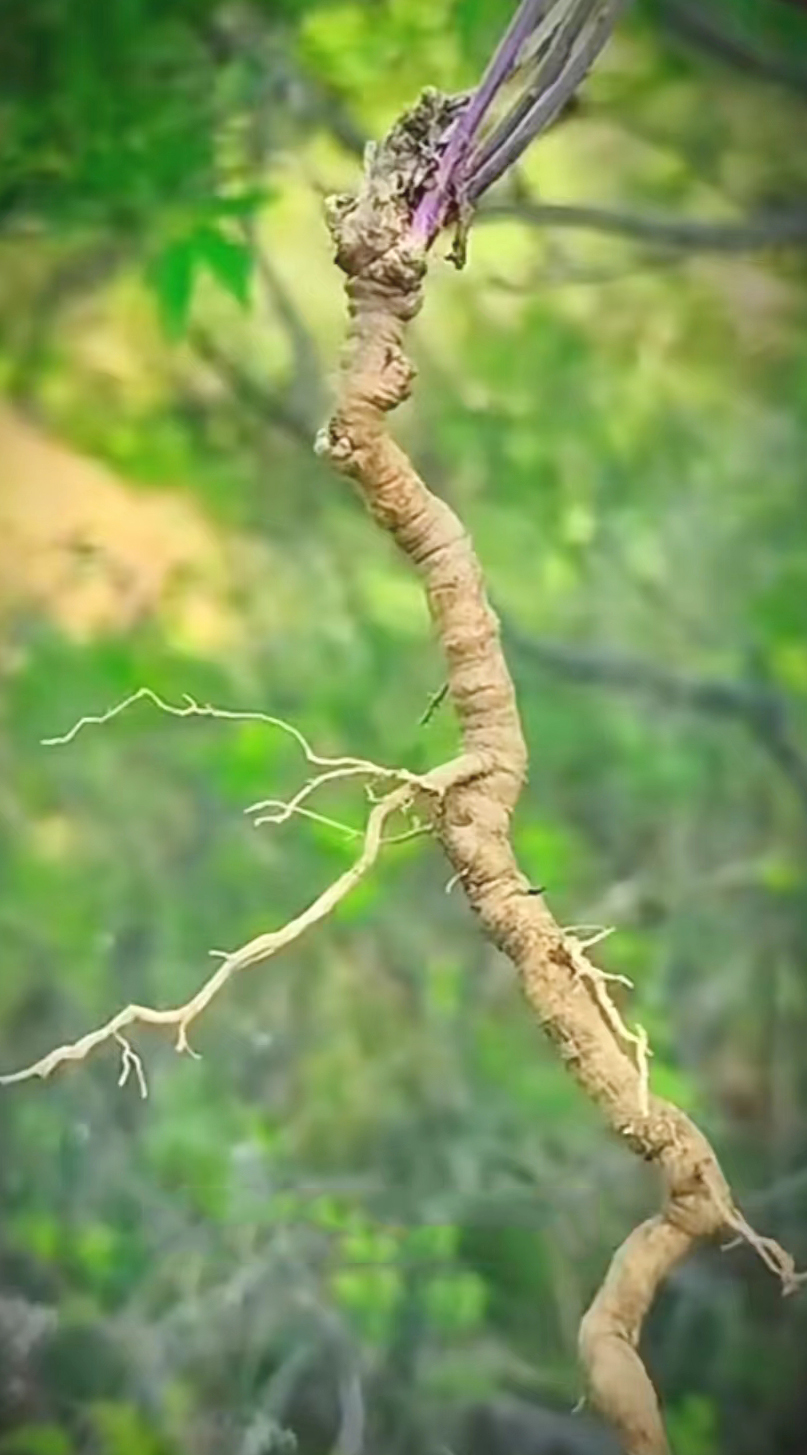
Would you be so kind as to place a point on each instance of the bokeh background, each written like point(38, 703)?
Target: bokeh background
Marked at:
point(367, 1221)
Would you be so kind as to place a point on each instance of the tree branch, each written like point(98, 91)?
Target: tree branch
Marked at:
point(761, 710)
point(306, 389)
point(698, 23)
point(385, 271)
point(267, 405)
point(750, 234)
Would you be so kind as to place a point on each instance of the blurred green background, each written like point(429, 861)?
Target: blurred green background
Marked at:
point(367, 1221)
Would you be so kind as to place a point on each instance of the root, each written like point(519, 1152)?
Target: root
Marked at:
point(180, 1018)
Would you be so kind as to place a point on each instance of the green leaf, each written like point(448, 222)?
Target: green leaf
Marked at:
point(172, 276)
point(173, 272)
point(230, 262)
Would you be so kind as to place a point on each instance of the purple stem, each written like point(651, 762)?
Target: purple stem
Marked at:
point(548, 70)
point(431, 210)
point(548, 104)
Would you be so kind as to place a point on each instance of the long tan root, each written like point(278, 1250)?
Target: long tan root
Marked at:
point(568, 994)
